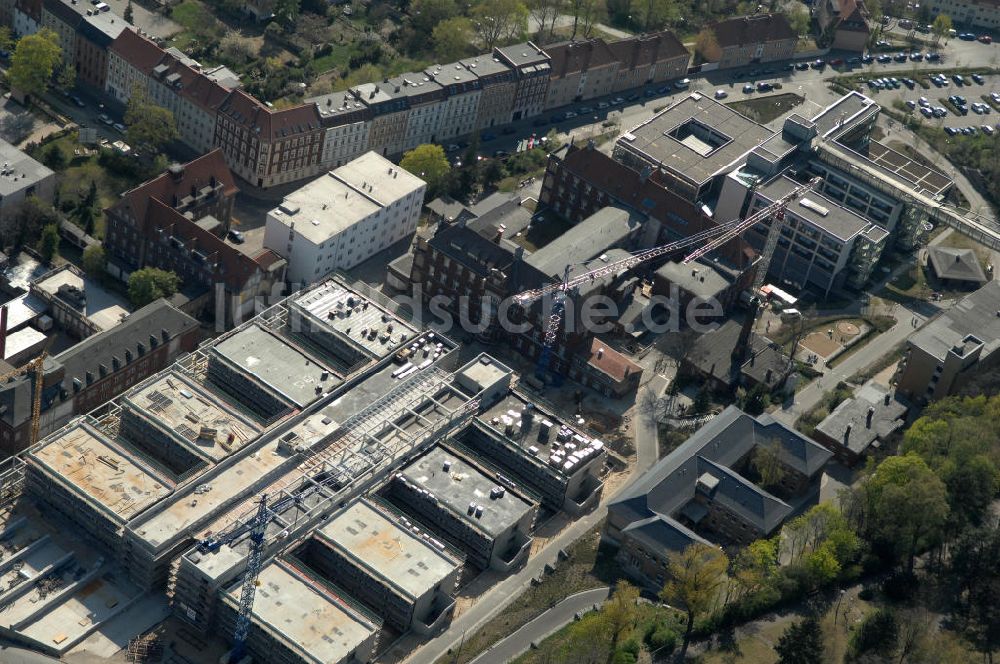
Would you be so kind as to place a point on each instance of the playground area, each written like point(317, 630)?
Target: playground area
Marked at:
point(829, 341)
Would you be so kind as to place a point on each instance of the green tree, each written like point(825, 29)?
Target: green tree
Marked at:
point(128, 14)
point(499, 21)
point(54, 157)
point(6, 40)
point(66, 78)
point(901, 508)
point(151, 283)
point(696, 577)
point(428, 14)
point(798, 18)
point(941, 26)
point(877, 634)
point(48, 244)
point(974, 571)
point(94, 259)
point(766, 462)
point(148, 125)
point(286, 12)
point(34, 61)
point(702, 400)
point(452, 39)
point(428, 162)
point(619, 612)
point(754, 569)
point(801, 643)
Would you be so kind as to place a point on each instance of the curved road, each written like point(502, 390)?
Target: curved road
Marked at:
point(542, 627)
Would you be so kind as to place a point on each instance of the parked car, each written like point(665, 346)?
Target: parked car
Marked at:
point(452, 147)
point(632, 97)
point(883, 59)
point(683, 84)
point(978, 79)
point(236, 236)
point(910, 104)
point(923, 101)
point(836, 62)
point(819, 63)
point(967, 36)
point(926, 112)
point(932, 56)
point(854, 61)
point(910, 83)
point(867, 58)
point(501, 154)
point(721, 94)
point(617, 101)
point(987, 129)
point(119, 127)
point(802, 66)
point(916, 56)
point(986, 39)
point(569, 115)
point(789, 67)
point(951, 131)
point(958, 78)
point(76, 100)
point(764, 86)
point(650, 92)
point(748, 88)
point(900, 57)
point(103, 117)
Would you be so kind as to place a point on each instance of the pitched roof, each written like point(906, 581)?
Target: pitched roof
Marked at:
point(957, 264)
point(610, 362)
point(644, 50)
point(853, 16)
point(745, 30)
point(573, 57)
point(138, 51)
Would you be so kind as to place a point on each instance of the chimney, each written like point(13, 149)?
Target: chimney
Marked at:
point(958, 258)
point(888, 397)
point(164, 334)
point(90, 377)
point(847, 433)
point(767, 376)
point(176, 172)
point(152, 341)
point(519, 254)
point(868, 418)
point(600, 353)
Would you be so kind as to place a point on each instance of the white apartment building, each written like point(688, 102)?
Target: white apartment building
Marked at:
point(983, 14)
point(344, 217)
point(347, 123)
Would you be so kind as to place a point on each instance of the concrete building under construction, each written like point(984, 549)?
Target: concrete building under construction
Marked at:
point(326, 404)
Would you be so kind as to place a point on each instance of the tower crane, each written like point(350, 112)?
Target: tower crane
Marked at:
point(705, 242)
point(37, 366)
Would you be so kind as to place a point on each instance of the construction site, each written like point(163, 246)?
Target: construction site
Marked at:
point(307, 487)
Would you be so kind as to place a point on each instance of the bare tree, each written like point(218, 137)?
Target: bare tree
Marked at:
point(585, 14)
point(545, 13)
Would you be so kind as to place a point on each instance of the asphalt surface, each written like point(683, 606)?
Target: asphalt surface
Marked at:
point(542, 627)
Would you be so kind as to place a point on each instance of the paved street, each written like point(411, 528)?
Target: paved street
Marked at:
point(542, 626)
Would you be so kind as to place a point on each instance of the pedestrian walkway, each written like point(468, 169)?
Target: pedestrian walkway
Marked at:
point(542, 627)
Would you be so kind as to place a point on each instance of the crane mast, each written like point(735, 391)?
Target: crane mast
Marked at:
point(705, 242)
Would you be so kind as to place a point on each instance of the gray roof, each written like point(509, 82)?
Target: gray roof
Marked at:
point(976, 314)
point(818, 210)
point(712, 355)
point(486, 65)
point(700, 279)
point(666, 488)
point(21, 171)
point(738, 133)
point(449, 209)
point(842, 114)
point(658, 533)
point(887, 417)
point(525, 55)
point(606, 228)
point(956, 264)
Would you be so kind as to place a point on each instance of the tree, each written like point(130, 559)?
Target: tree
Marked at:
point(428, 162)
point(655, 14)
point(544, 13)
point(427, 14)
point(877, 634)
point(287, 11)
point(801, 643)
point(754, 569)
point(901, 508)
point(34, 215)
point(974, 569)
point(66, 78)
point(585, 15)
point(148, 125)
point(799, 19)
point(236, 49)
point(499, 21)
point(54, 158)
point(702, 400)
point(941, 26)
point(151, 283)
point(696, 576)
point(34, 61)
point(6, 40)
point(94, 259)
point(128, 14)
point(706, 46)
point(766, 462)
point(452, 39)
point(48, 244)
point(619, 612)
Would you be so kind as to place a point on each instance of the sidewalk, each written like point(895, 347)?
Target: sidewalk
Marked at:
point(542, 627)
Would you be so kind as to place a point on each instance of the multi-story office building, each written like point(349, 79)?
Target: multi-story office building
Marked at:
point(821, 242)
point(344, 217)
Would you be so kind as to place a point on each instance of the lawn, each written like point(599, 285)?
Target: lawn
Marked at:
point(337, 57)
point(909, 285)
point(588, 566)
point(74, 180)
point(200, 25)
point(765, 109)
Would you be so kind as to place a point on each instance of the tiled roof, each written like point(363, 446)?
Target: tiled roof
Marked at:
point(578, 56)
point(746, 30)
point(645, 50)
point(610, 362)
point(138, 51)
point(957, 264)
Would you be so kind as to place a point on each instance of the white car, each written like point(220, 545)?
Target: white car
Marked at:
point(682, 84)
point(987, 129)
point(923, 101)
point(721, 94)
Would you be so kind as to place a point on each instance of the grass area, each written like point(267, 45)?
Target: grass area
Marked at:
point(908, 285)
point(883, 363)
point(765, 109)
point(589, 565)
point(338, 56)
point(74, 180)
point(199, 25)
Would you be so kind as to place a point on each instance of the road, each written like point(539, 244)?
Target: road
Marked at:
point(499, 596)
point(541, 627)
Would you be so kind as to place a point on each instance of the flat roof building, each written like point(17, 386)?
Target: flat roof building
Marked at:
point(20, 177)
point(298, 620)
point(79, 303)
point(344, 217)
point(267, 373)
point(690, 143)
point(484, 516)
point(404, 574)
